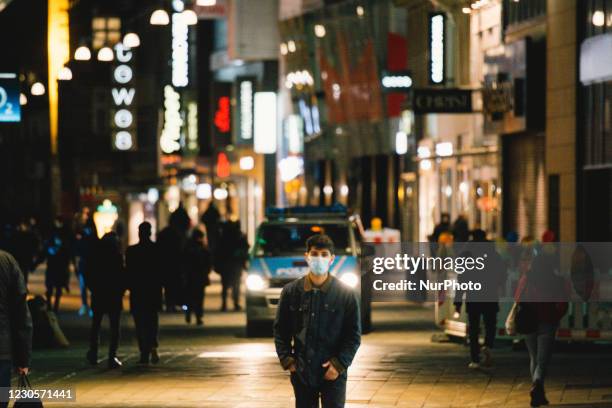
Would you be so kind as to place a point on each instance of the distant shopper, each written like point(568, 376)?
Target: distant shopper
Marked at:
point(197, 263)
point(58, 253)
point(171, 241)
point(86, 240)
point(443, 226)
point(230, 260)
point(144, 281)
point(461, 230)
point(15, 324)
point(106, 281)
point(25, 248)
point(545, 295)
point(317, 330)
point(482, 304)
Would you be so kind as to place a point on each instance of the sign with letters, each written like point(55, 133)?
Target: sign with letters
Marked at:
point(442, 101)
point(123, 114)
point(10, 110)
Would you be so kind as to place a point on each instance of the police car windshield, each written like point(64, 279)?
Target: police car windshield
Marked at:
point(290, 239)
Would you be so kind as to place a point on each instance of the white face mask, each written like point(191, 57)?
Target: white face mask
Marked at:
point(319, 265)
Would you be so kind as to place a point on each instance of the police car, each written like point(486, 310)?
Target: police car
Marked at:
point(277, 258)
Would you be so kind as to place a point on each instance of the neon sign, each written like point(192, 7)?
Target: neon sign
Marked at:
point(171, 133)
point(222, 116)
point(123, 125)
point(180, 50)
point(436, 48)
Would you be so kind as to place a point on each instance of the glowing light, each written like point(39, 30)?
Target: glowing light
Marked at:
point(444, 149)
point(344, 190)
point(171, 133)
point(180, 50)
point(23, 100)
point(255, 282)
point(319, 30)
point(437, 51)
point(131, 40)
point(349, 279)
point(152, 195)
point(65, 74)
point(397, 81)
point(265, 122)
point(425, 165)
point(105, 54)
point(448, 191)
point(401, 142)
point(220, 194)
point(160, 18)
point(246, 110)
point(328, 190)
point(223, 165)
point(204, 191)
point(290, 168)
point(190, 17)
point(463, 187)
point(466, 10)
point(360, 11)
point(283, 49)
point(598, 19)
point(291, 46)
point(247, 163)
point(423, 152)
point(206, 3)
point(37, 89)
point(82, 54)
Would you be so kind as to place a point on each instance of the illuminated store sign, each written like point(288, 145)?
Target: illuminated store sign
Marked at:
point(265, 122)
point(396, 81)
point(180, 48)
point(436, 47)
point(222, 115)
point(171, 133)
point(246, 110)
point(124, 113)
point(10, 109)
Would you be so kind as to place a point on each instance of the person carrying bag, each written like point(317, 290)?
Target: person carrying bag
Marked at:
point(25, 400)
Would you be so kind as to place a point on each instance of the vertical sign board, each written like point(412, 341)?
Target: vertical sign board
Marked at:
point(123, 113)
point(436, 46)
point(245, 89)
point(221, 114)
point(265, 123)
point(10, 110)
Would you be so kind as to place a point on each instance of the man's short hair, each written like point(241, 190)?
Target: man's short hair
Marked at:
point(320, 241)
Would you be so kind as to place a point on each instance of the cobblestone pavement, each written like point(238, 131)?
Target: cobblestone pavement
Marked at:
point(397, 366)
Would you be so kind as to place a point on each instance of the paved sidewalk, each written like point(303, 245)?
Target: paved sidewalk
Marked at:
point(397, 366)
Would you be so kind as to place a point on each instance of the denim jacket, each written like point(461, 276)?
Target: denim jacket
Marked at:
point(315, 325)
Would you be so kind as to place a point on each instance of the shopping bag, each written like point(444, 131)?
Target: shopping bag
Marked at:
point(511, 321)
point(24, 384)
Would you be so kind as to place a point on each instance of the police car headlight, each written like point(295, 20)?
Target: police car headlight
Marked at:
point(350, 279)
point(255, 282)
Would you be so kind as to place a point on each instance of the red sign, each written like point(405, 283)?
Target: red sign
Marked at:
point(222, 115)
point(223, 165)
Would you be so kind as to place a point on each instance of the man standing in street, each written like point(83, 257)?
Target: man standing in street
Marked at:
point(15, 323)
point(144, 281)
point(317, 330)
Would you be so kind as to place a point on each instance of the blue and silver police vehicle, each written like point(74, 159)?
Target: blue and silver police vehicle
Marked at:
point(277, 257)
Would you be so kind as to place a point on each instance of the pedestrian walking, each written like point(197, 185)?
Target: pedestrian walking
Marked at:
point(15, 324)
point(197, 263)
point(171, 242)
point(317, 330)
point(106, 281)
point(58, 253)
point(25, 248)
point(230, 260)
point(461, 230)
point(211, 220)
point(544, 294)
point(482, 304)
point(86, 240)
point(144, 281)
point(441, 227)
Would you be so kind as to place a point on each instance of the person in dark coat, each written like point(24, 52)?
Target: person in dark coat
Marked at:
point(482, 304)
point(106, 281)
point(170, 242)
point(211, 219)
point(25, 248)
point(197, 262)
point(230, 259)
point(86, 240)
point(461, 231)
point(15, 324)
point(59, 256)
point(144, 282)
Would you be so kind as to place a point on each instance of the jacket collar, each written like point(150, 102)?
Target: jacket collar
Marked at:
point(308, 285)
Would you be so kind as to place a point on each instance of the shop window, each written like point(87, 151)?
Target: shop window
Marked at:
point(105, 31)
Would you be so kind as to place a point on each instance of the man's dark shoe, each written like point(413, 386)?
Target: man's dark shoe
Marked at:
point(537, 395)
point(237, 308)
point(199, 321)
point(154, 356)
point(114, 362)
point(144, 358)
point(92, 357)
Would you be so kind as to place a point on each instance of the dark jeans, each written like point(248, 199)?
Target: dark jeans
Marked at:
point(195, 303)
point(58, 297)
point(147, 327)
point(540, 346)
point(489, 315)
point(5, 380)
point(332, 393)
point(234, 284)
point(114, 317)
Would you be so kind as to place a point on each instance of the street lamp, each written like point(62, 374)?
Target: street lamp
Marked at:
point(189, 17)
point(131, 40)
point(206, 3)
point(105, 54)
point(82, 54)
point(65, 74)
point(38, 89)
point(159, 17)
point(23, 100)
